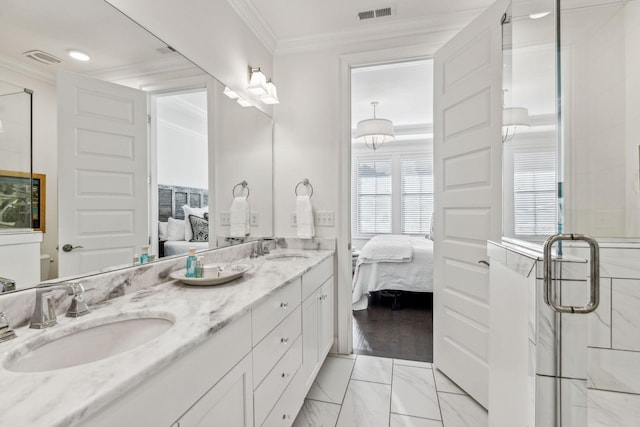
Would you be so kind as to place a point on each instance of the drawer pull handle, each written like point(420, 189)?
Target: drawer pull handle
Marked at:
point(284, 340)
point(284, 305)
point(286, 375)
point(286, 417)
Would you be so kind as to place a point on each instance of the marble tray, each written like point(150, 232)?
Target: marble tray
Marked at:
point(213, 276)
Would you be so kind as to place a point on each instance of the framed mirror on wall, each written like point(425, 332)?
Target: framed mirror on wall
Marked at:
point(192, 133)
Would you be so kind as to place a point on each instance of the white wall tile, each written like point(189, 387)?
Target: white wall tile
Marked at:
point(608, 409)
point(614, 370)
point(599, 322)
point(625, 316)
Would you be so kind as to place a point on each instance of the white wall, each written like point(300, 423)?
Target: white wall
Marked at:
point(45, 149)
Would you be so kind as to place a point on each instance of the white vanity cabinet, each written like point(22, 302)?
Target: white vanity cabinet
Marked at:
point(210, 381)
point(254, 371)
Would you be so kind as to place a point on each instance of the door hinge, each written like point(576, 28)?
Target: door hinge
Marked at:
point(148, 119)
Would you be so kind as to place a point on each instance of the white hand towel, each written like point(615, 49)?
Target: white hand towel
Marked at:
point(304, 217)
point(239, 217)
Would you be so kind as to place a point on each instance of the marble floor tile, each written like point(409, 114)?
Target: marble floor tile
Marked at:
point(414, 392)
point(459, 410)
point(374, 369)
point(317, 414)
point(366, 404)
point(443, 383)
point(331, 383)
point(412, 363)
point(398, 420)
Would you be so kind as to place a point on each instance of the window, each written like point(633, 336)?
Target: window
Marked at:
point(534, 195)
point(373, 189)
point(393, 194)
point(416, 175)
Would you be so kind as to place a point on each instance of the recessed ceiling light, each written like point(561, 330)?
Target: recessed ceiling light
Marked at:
point(79, 55)
point(539, 15)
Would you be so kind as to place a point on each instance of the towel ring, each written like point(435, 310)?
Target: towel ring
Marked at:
point(306, 183)
point(244, 186)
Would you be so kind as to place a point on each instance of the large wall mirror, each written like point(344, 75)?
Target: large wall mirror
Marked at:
point(109, 180)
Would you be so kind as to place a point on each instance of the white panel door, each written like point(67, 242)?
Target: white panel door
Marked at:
point(468, 189)
point(102, 173)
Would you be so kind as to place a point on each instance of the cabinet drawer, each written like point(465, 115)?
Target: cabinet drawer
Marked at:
point(274, 309)
point(288, 406)
point(275, 344)
point(316, 277)
point(267, 394)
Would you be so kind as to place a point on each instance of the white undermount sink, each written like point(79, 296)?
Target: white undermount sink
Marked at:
point(90, 344)
point(287, 257)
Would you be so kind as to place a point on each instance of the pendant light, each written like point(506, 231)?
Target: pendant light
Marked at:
point(374, 132)
point(512, 119)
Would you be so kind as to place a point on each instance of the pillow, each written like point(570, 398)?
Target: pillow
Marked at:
point(200, 229)
point(188, 234)
point(163, 230)
point(175, 229)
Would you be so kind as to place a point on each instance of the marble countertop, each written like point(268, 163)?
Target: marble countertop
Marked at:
point(65, 396)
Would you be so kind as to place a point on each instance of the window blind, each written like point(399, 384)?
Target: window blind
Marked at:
point(416, 175)
point(374, 186)
point(534, 198)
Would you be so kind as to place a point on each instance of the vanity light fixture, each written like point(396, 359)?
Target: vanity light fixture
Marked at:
point(243, 102)
point(374, 132)
point(272, 96)
point(231, 94)
point(257, 82)
point(78, 55)
point(539, 15)
point(512, 119)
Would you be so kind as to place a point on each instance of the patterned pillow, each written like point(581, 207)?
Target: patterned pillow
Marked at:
point(200, 229)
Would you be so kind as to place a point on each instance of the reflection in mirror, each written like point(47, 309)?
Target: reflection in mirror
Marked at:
point(600, 95)
point(199, 141)
point(529, 124)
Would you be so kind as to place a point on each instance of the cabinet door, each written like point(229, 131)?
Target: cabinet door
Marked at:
point(229, 403)
point(325, 319)
point(310, 337)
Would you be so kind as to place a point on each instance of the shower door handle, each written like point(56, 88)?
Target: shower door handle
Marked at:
point(594, 285)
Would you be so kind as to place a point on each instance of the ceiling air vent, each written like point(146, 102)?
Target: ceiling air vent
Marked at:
point(375, 13)
point(44, 57)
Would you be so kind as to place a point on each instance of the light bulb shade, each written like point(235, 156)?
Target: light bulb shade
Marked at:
point(230, 94)
point(258, 83)
point(243, 102)
point(374, 132)
point(515, 116)
point(272, 96)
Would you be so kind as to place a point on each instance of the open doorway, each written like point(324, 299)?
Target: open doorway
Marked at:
point(391, 209)
point(181, 173)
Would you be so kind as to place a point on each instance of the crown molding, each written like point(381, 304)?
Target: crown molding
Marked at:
point(381, 31)
point(28, 70)
point(175, 63)
point(252, 18)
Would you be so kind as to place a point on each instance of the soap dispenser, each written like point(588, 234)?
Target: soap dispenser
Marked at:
point(191, 263)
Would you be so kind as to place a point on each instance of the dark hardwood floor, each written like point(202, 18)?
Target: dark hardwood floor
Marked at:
point(406, 333)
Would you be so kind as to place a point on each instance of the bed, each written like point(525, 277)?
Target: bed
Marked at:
point(174, 206)
point(392, 263)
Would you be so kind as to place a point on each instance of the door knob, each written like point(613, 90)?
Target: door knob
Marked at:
point(68, 247)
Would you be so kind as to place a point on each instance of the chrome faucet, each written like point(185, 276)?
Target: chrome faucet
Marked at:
point(6, 333)
point(44, 314)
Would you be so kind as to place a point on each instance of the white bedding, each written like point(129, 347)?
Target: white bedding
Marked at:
point(181, 247)
point(415, 275)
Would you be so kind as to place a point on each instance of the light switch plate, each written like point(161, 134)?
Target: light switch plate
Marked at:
point(325, 219)
point(294, 219)
point(254, 219)
point(225, 218)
